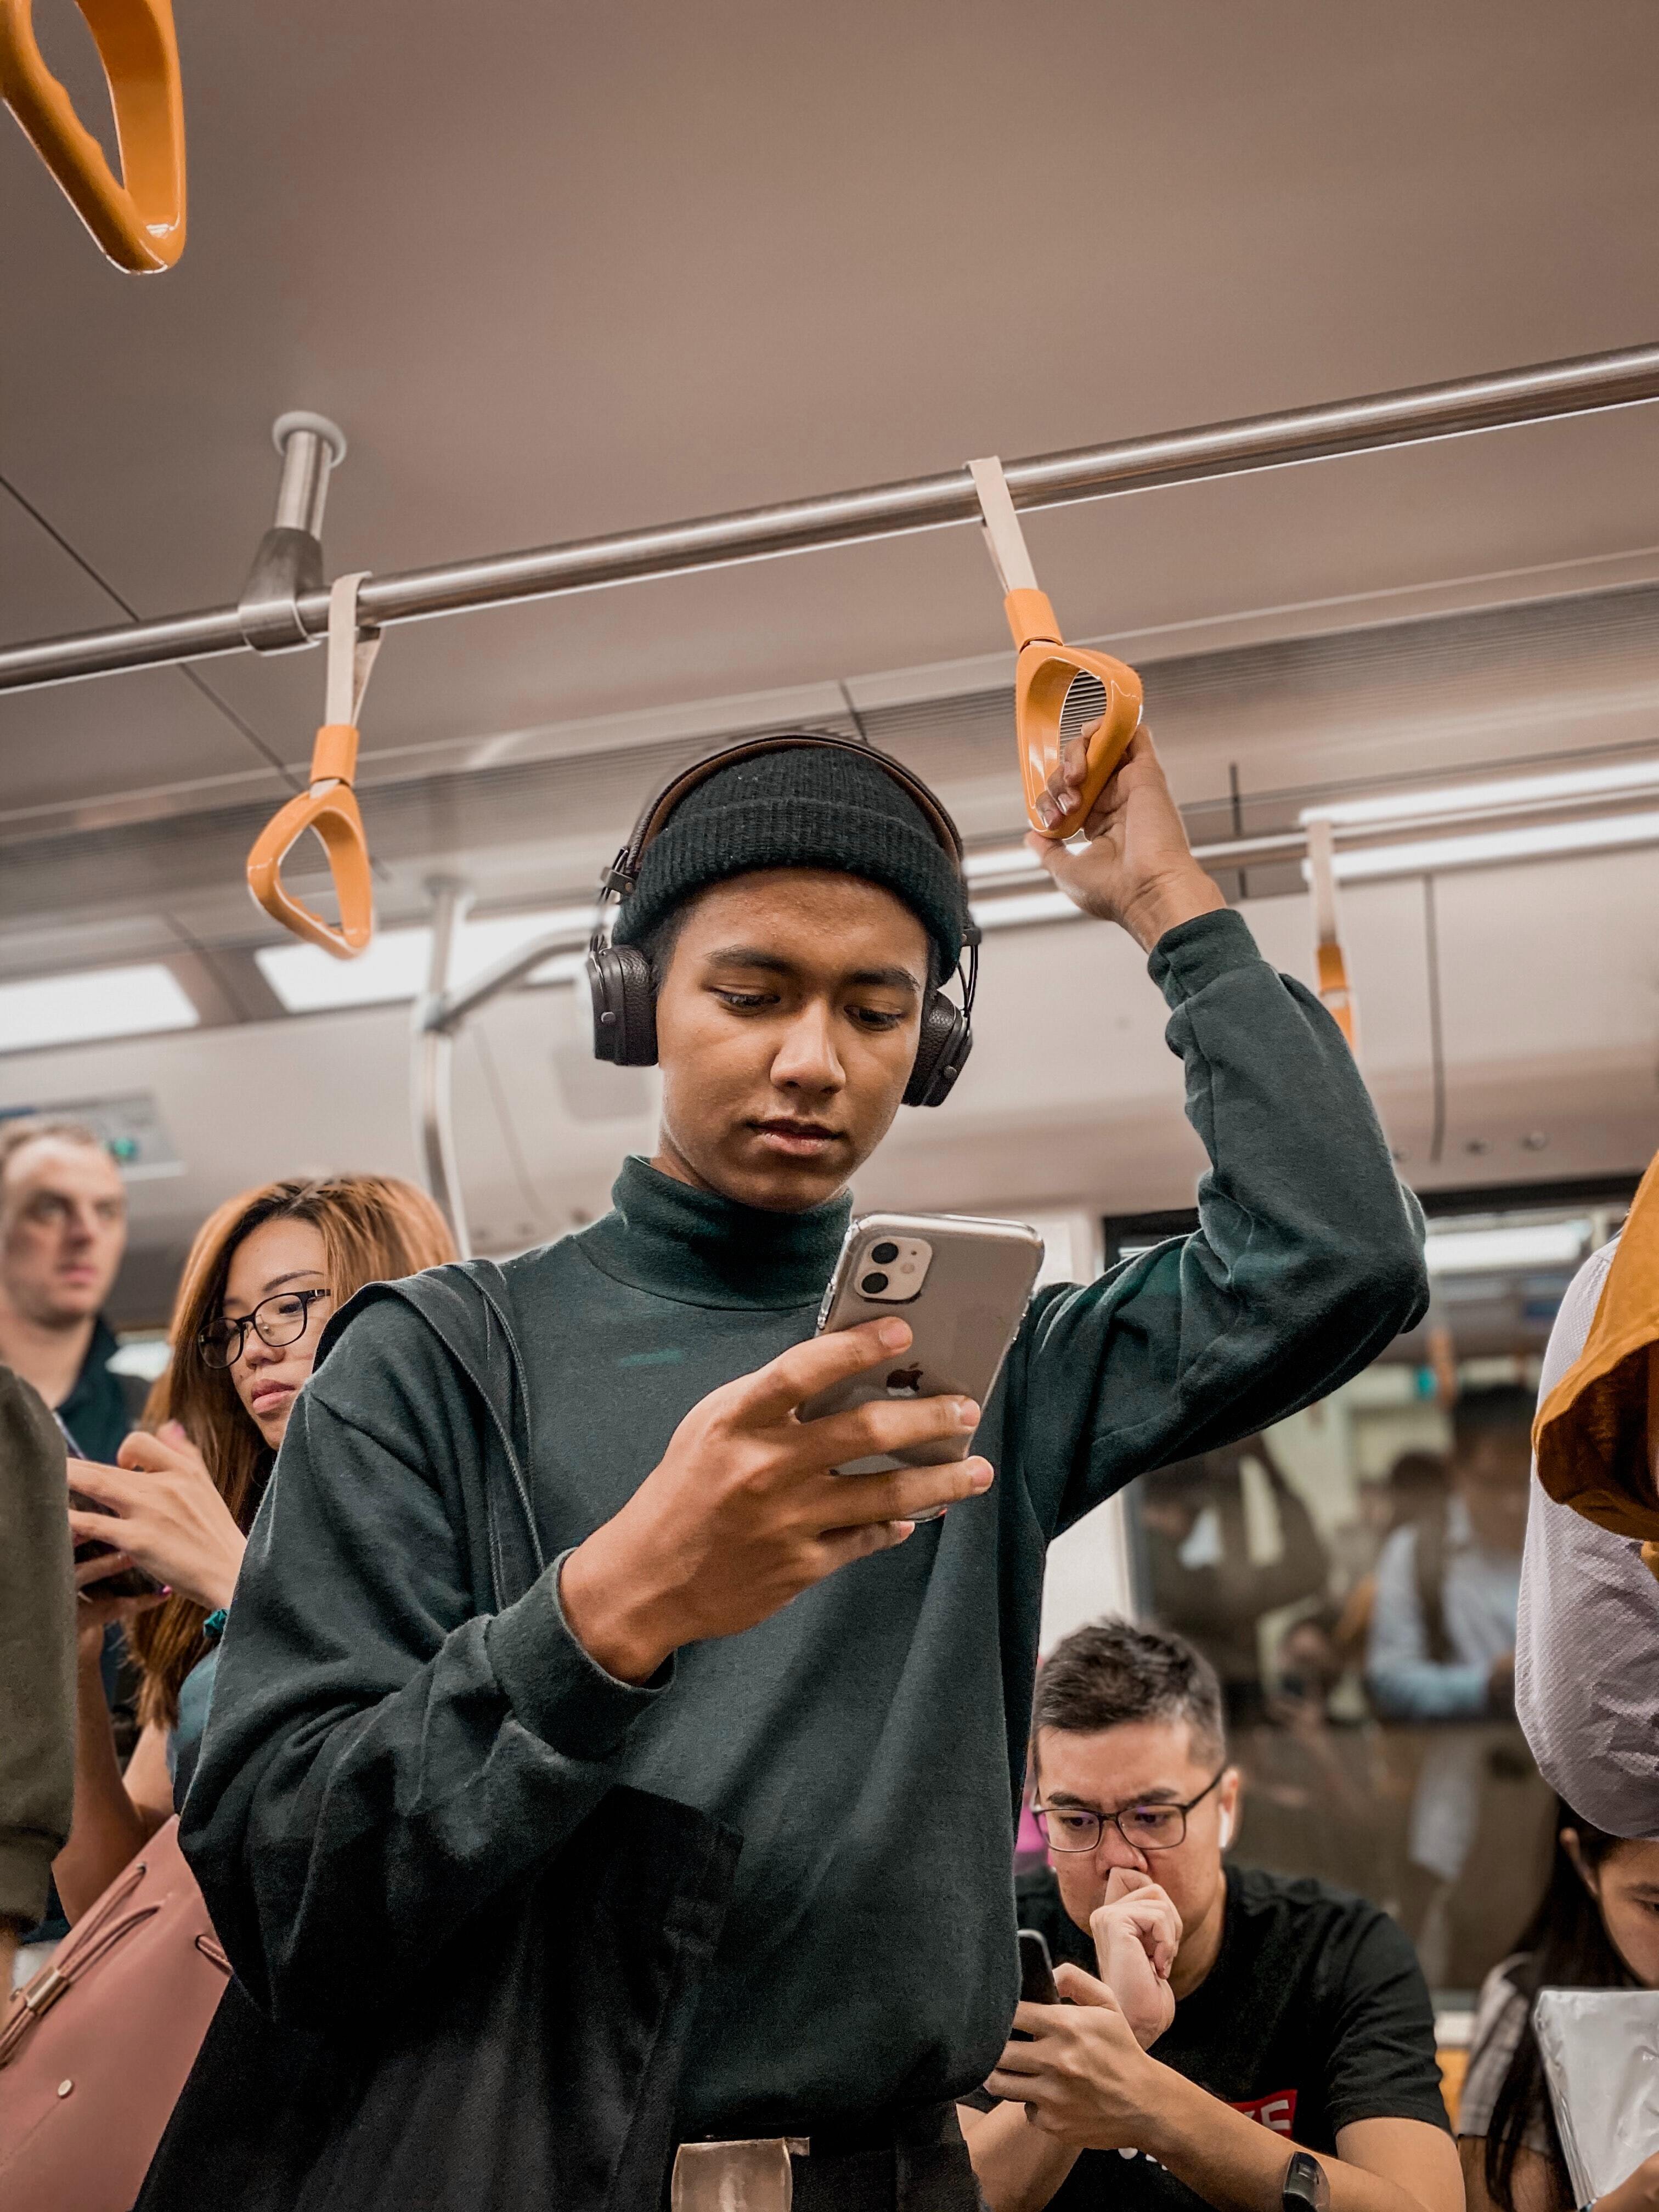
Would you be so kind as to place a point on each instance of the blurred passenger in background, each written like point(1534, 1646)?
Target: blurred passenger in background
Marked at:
point(1205, 1585)
point(1441, 1654)
point(63, 1237)
point(37, 1669)
point(1442, 1634)
point(1413, 1490)
point(266, 1273)
point(1316, 1787)
point(1596, 1927)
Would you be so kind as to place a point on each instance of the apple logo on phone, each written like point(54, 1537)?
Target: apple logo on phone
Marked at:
point(905, 1382)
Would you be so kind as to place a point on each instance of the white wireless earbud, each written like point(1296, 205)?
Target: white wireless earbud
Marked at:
point(1226, 1829)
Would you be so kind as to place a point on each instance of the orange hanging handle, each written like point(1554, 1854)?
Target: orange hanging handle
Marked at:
point(1047, 669)
point(138, 219)
point(1335, 993)
point(330, 805)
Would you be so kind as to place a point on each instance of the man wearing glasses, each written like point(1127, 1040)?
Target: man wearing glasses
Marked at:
point(1236, 2038)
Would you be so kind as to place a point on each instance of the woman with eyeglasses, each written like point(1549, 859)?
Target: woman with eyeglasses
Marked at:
point(264, 1276)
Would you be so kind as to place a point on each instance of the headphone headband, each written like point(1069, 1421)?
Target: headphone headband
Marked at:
point(619, 976)
point(620, 877)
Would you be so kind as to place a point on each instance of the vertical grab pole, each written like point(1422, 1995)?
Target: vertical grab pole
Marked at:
point(434, 1071)
point(1334, 993)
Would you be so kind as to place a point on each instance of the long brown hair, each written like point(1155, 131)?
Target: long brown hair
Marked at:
point(373, 1229)
point(1565, 1945)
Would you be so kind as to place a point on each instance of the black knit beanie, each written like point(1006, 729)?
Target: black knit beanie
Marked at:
point(801, 807)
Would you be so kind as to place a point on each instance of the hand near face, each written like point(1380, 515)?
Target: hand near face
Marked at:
point(1137, 1933)
point(1139, 869)
point(1083, 2078)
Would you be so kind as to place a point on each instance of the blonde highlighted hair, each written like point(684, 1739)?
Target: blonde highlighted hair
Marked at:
point(373, 1229)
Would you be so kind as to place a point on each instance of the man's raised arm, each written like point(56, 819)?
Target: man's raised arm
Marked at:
point(1308, 1259)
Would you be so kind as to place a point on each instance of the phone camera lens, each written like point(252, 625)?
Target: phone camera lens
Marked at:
point(872, 1286)
point(884, 1254)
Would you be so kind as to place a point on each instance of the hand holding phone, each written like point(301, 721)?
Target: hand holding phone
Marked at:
point(745, 1510)
point(125, 1581)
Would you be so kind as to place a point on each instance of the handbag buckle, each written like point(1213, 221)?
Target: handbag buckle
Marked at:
point(43, 1993)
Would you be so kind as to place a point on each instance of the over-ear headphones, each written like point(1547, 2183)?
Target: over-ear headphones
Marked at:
point(619, 976)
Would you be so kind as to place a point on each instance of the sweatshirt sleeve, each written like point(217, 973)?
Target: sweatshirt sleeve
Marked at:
point(380, 1758)
point(37, 1652)
point(1307, 1260)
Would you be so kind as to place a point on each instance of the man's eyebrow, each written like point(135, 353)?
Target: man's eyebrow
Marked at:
point(1165, 1795)
point(884, 979)
point(750, 956)
point(774, 963)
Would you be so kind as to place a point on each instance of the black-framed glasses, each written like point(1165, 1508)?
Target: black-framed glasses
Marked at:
point(1143, 1827)
point(277, 1321)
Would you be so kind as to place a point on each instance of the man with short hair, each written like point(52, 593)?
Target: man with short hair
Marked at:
point(62, 1235)
point(731, 1639)
point(1291, 2059)
point(1449, 1582)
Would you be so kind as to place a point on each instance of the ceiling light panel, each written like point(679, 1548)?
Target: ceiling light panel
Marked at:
point(98, 1002)
point(1491, 847)
point(309, 980)
point(1528, 1244)
point(1517, 792)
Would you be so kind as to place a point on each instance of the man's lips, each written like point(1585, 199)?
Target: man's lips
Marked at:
point(796, 1139)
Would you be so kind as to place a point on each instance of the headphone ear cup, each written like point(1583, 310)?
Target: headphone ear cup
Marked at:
point(942, 1053)
point(624, 1005)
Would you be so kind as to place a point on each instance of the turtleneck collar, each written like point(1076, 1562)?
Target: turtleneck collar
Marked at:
point(701, 1249)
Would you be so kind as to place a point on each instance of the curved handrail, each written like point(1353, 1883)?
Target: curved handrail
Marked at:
point(1047, 669)
point(137, 219)
point(329, 804)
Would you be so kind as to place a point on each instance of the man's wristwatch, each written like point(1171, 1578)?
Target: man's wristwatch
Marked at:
point(1307, 2187)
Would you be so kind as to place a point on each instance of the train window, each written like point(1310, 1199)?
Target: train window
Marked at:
point(1353, 1576)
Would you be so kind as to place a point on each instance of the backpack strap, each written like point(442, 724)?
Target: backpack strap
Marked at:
point(468, 1306)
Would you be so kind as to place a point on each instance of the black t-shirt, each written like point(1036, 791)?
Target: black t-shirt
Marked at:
point(1314, 2015)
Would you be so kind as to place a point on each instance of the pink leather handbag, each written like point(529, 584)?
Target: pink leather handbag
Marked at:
point(96, 2049)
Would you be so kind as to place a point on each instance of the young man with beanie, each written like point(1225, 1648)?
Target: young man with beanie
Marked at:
point(730, 1642)
point(1230, 2038)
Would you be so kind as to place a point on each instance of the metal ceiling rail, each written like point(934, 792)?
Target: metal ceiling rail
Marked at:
point(1428, 411)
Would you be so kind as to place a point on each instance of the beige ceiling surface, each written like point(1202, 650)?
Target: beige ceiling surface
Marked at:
point(558, 271)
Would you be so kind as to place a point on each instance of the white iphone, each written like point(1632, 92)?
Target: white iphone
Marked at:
point(963, 1285)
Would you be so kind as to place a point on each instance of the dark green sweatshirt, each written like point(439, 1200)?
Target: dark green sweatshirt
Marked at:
point(378, 1761)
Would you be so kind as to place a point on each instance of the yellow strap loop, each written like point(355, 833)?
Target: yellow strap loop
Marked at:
point(330, 805)
point(137, 219)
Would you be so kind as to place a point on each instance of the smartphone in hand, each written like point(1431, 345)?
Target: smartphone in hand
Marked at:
point(1037, 1975)
point(131, 1582)
point(961, 1285)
